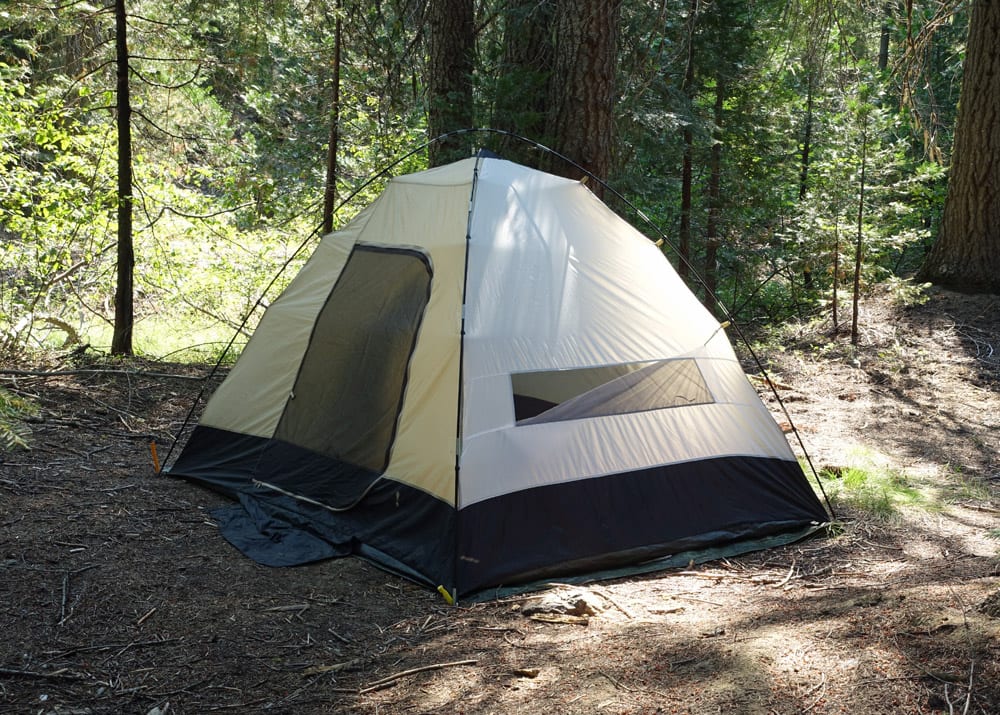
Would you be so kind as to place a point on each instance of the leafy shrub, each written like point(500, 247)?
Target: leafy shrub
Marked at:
point(13, 409)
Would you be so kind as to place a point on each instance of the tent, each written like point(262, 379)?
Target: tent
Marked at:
point(488, 378)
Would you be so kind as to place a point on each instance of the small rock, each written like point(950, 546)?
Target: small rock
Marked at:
point(568, 602)
point(991, 606)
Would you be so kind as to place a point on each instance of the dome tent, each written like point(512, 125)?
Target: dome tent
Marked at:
point(488, 378)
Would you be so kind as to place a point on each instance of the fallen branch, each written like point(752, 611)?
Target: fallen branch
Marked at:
point(62, 674)
point(613, 602)
point(149, 613)
point(618, 684)
point(698, 600)
point(378, 684)
point(63, 615)
point(65, 595)
point(94, 371)
point(821, 686)
point(109, 646)
point(791, 571)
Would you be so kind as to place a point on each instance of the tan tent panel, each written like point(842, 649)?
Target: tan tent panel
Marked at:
point(264, 378)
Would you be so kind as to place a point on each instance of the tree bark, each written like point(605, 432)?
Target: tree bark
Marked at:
point(859, 243)
point(121, 339)
point(712, 241)
point(806, 144)
point(330, 192)
point(521, 102)
point(581, 88)
point(687, 161)
point(884, 36)
point(966, 256)
point(451, 26)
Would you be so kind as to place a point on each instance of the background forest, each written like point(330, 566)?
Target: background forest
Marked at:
point(789, 151)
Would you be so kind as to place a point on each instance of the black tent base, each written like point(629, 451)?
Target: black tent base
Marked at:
point(665, 563)
point(262, 535)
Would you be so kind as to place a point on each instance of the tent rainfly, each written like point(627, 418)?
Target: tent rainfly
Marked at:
point(488, 378)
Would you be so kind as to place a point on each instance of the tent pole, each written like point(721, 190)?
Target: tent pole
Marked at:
point(461, 379)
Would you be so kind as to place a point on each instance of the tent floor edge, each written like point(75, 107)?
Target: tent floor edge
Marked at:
point(673, 561)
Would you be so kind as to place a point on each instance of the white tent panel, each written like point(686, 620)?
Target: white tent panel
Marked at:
point(558, 281)
point(508, 460)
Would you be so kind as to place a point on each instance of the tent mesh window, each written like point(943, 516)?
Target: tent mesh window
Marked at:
point(559, 395)
point(357, 359)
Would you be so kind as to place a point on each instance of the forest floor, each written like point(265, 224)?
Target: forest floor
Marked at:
point(118, 595)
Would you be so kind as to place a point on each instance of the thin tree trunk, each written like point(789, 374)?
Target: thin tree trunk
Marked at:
point(883, 44)
point(835, 302)
point(521, 104)
point(714, 196)
point(330, 194)
point(684, 233)
point(859, 243)
point(806, 144)
point(121, 340)
point(807, 278)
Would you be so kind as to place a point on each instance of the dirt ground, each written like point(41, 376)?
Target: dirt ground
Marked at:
point(117, 594)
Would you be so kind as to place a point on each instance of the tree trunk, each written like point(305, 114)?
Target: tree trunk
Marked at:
point(804, 169)
point(521, 102)
point(834, 298)
point(581, 90)
point(806, 144)
point(859, 244)
point(714, 196)
point(330, 193)
point(687, 162)
point(121, 339)
point(883, 42)
point(966, 256)
point(449, 87)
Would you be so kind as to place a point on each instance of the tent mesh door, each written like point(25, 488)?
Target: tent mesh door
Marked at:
point(349, 389)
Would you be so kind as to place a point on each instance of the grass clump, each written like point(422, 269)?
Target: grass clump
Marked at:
point(13, 410)
point(867, 486)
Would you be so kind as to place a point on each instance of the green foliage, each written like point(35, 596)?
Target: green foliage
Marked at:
point(906, 293)
point(54, 205)
point(872, 489)
point(232, 101)
point(13, 409)
point(230, 131)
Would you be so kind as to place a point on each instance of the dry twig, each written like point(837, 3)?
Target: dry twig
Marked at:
point(389, 680)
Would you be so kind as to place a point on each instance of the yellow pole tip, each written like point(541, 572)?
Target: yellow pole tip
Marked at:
point(156, 459)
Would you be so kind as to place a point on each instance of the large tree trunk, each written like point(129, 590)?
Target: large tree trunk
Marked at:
point(966, 256)
point(521, 102)
point(581, 90)
point(449, 86)
point(121, 339)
